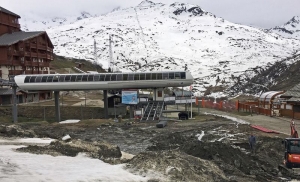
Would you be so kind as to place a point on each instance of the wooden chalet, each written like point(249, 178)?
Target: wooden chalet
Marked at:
point(22, 52)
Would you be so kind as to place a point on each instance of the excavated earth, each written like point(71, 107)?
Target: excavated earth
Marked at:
point(211, 149)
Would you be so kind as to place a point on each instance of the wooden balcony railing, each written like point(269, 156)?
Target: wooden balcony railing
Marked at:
point(15, 72)
point(43, 64)
point(50, 57)
point(43, 47)
point(49, 49)
point(33, 54)
point(42, 55)
point(34, 63)
point(33, 45)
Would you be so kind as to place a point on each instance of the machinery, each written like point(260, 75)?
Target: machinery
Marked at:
point(292, 149)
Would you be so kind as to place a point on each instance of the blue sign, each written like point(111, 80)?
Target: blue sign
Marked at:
point(129, 97)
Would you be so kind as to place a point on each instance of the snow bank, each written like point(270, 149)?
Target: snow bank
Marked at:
point(69, 121)
point(240, 121)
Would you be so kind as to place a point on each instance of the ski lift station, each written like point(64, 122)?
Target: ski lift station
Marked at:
point(110, 81)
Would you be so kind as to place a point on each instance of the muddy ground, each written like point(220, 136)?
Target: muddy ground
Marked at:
point(176, 151)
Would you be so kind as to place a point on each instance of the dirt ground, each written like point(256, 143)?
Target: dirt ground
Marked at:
point(208, 148)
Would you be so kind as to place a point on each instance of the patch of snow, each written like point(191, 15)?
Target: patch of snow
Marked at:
point(67, 137)
point(239, 121)
point(26, 141)
point(69, 121)
point(200, 135)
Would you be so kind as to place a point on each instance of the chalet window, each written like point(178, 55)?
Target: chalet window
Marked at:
point(61, 78)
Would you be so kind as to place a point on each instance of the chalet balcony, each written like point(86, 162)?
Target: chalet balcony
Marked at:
point(43, 64)
point(15, 72)
point(50, 57)
point(9, 52)
point(49, 49)
point(27, 63)
point(11, 63)
point(33, 54)
point(34, 63)
point(42, 55)
point(33, 45)
point(42, 47)
point(28, 72)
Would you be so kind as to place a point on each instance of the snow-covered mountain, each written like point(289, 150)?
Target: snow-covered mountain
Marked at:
point(291, 29)
point(156, 36)
point(31, 22)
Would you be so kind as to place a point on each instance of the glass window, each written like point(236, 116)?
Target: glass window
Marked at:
point(96, 78)
point(67, 78)
point(130, 76)
point(148, 76)
point(84, 78)
point(171, 76)
point(153, 76)
point(113, 77)
point(142, 76)
point(182, 74)
point(119, 77)
point(165, 75)
point(27, 78)
point(32, 79)
point(50, 78)
point(38, 79)
point(91, 78)
point(55, 78)
point(159, 76)
point(44, 79)
point(78, 78)
point(61, 78)
point(177, 75)
point(107, 77)
point(73, 78)
point(102, 77)
point(125, 77)
point(136, 76)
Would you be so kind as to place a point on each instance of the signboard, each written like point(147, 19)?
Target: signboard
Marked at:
point(129, 97)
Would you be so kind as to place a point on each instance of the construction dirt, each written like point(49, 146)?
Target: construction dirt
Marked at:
point(211, 149)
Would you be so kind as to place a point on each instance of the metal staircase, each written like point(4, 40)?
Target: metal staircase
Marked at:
point(153, 111)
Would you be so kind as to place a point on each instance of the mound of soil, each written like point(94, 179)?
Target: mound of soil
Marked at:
point(177, 166)
point(15, 131)
point(97, 150)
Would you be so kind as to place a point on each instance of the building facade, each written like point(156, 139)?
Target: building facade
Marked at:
point(22, 52)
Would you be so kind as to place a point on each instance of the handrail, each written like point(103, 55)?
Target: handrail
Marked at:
point(150, 112)
point(155, 111)
point(145, 111)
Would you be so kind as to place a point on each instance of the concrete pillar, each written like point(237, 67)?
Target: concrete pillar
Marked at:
point(57, 106)
point(14, 101)
point(105, 104)
point(154, 95)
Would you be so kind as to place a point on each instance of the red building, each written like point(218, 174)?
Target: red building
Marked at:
point(22, 52)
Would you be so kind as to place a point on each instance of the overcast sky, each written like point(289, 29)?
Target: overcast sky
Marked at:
point(259, 13)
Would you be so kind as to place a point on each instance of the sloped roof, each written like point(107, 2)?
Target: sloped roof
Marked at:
point(293, 92)
point(8, 12)
point(9, 39)
point(7, 91)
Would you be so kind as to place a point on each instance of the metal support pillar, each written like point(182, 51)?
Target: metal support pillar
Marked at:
point(14, 108)
point(57, 106)
point(154, 95)
point(105, 104)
